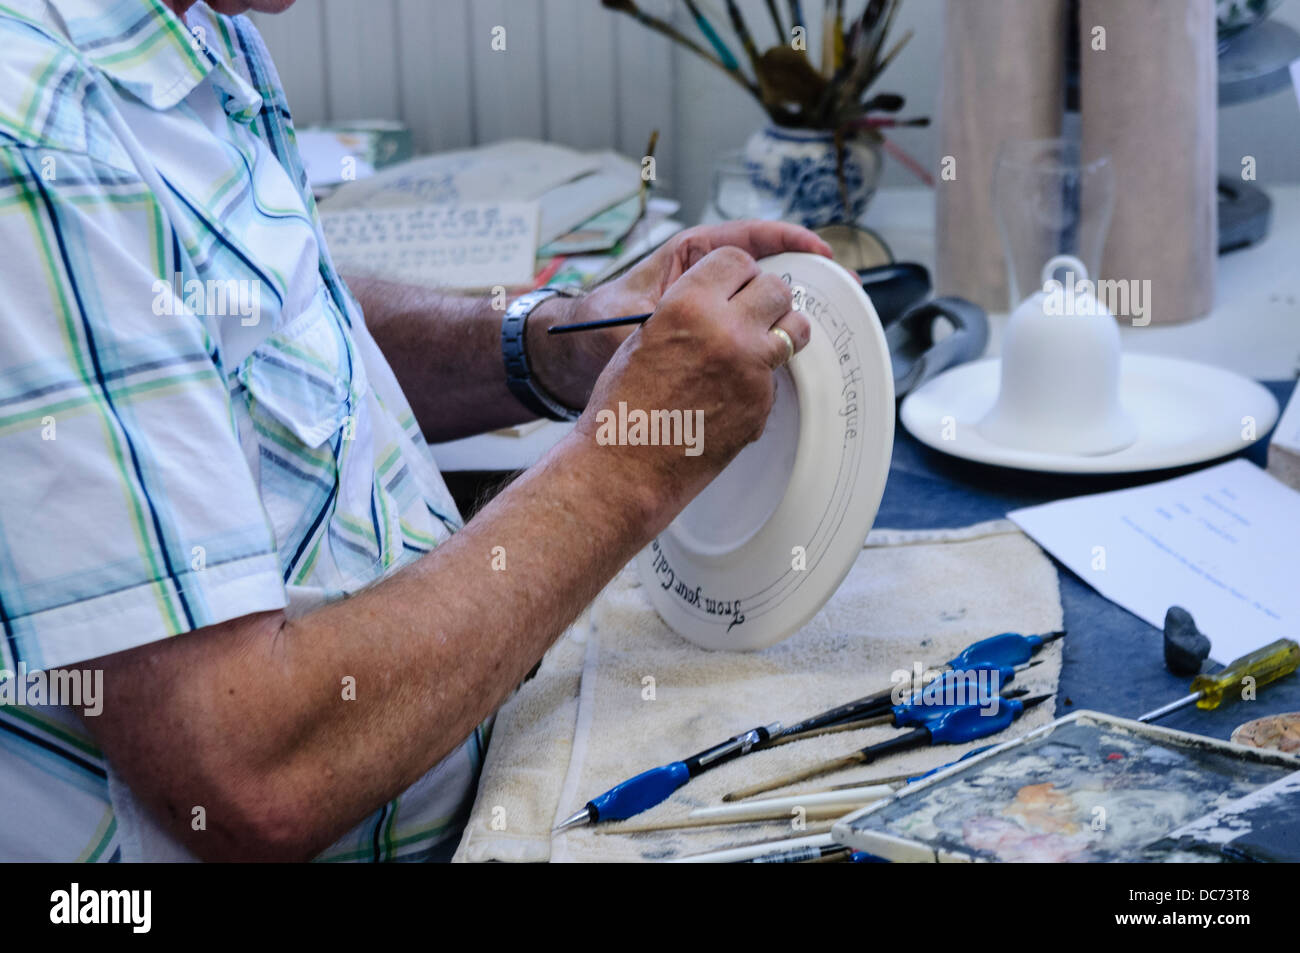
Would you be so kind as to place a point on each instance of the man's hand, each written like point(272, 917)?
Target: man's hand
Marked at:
point(709, 350)
point(446, 351)
point(568, 366)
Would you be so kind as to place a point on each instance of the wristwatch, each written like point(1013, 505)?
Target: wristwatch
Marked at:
point(519, 376)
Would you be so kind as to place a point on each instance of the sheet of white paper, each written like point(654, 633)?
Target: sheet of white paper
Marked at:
point(453, 246)
point(1223, 542)
point(328, 160)
point(567, 206)
point(512, 171)
point(570, 186)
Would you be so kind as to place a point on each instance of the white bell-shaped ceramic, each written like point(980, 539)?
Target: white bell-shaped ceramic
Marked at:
point(1059, 389)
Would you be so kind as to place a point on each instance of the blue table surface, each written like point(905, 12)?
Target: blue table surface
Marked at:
point(1114, 661)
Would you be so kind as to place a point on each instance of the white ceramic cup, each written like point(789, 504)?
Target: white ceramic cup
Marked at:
point(1059, 390)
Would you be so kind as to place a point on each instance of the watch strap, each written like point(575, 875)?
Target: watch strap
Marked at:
point(519, 375)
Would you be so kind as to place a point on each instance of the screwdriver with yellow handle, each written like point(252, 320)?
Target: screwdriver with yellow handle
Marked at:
point(1210, 690)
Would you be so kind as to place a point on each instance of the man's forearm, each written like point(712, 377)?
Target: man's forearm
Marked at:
point(261, 734)
point(446, 353)
point(249, 719)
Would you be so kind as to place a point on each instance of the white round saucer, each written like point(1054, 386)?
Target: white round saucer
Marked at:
point(1186, 413)
point(759, 552)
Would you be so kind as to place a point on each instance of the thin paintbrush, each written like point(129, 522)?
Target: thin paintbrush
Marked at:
point(880, 702)
point(776, 21)
point(889, 57)
point(906, 777)
point(667, 29)
point(724, 53)
point(689, 823)
point(1008, 649)
point(742, 32)
point(830, 855)
point(838, 36)
point(732, 854)
point(873, 62)
point(868, 32)
point(956, 727)
point(601, 323)
point(796, 13)
point(835, 68)
point(905, 160)
point(744, 814)
point(854, 723)
point(851, 725)
point(829, 33)
point(845, 801)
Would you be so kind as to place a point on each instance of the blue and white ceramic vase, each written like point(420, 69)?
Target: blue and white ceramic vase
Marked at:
point(796, 170)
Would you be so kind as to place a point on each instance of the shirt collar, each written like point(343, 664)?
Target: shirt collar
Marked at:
point(147, 50)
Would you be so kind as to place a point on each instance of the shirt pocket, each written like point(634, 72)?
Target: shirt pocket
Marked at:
point(306, 375)
point(305, 390)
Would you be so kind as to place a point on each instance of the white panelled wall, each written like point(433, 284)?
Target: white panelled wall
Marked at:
point(571, 71)
point(575, 73)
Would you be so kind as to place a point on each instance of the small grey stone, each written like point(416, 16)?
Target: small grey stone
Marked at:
point(1186, 646)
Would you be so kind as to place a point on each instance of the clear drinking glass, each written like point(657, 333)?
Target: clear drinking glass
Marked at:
point(1049, 202)
point(734, 195)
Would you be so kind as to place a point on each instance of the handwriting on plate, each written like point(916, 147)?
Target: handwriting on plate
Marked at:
point(693, 596)
point(815, 306)
point(851, 379)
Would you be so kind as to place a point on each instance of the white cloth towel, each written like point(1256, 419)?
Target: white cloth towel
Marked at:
point(620, 693)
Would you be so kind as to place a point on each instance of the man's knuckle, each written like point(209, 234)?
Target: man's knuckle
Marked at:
point(733, 256)
point(692, 248)
point(777, 293)
point(775, 285)
point(801, 330)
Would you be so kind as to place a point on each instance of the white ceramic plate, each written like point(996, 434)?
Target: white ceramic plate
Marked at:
point(723, 575)
point(1186, 413)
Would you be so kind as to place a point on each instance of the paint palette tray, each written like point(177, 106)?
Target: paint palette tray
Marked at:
point(1261, 827)
point(1089, 787)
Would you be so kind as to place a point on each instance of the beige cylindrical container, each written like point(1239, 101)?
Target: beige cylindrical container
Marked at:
point(1148, 100)
point(1003, 78)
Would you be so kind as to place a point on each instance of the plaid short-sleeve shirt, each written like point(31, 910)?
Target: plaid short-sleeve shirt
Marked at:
point(195, 423)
